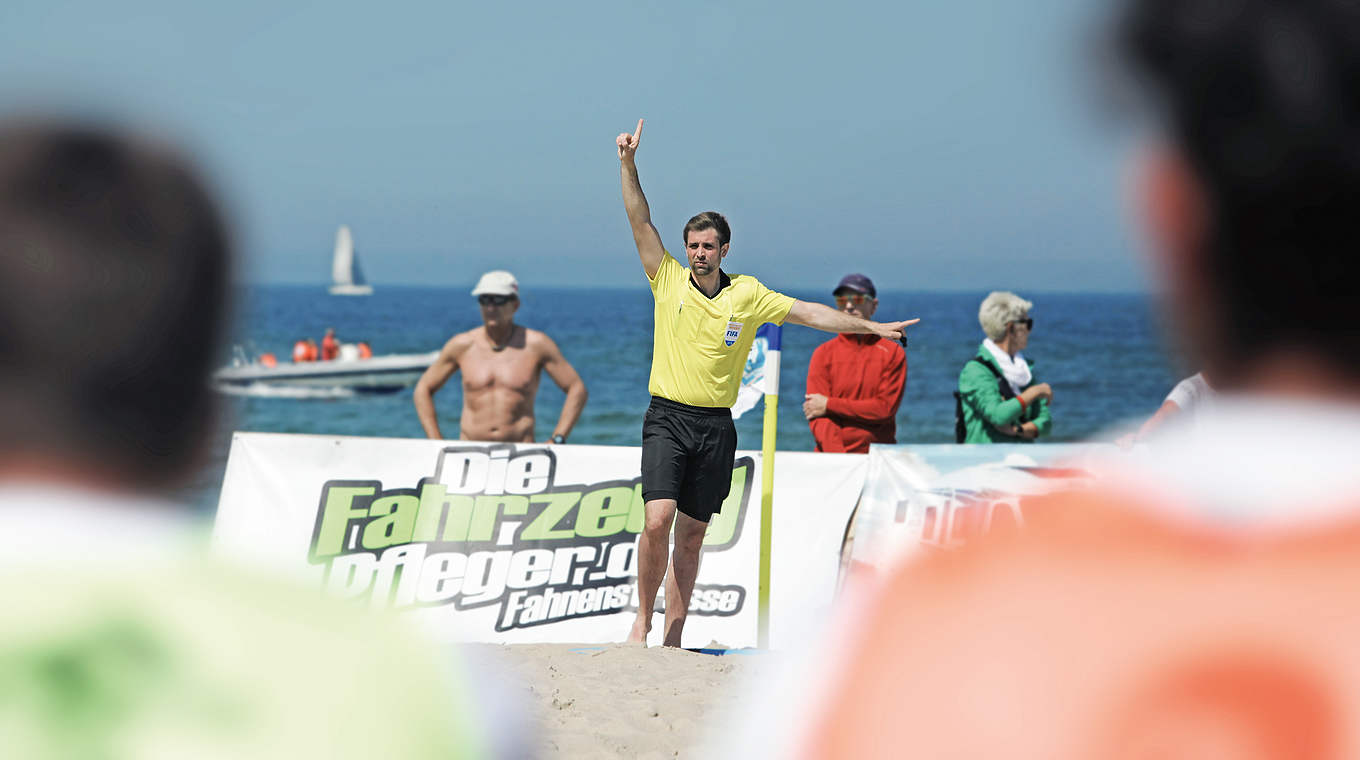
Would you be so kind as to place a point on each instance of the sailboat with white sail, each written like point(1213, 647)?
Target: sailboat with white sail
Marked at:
point(347, 279)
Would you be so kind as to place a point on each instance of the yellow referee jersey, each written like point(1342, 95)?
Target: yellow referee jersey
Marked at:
point(700, 344)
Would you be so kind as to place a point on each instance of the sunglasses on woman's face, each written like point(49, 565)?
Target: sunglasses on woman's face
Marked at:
point(857, 299)
point(490, 300)
point(1028, 322)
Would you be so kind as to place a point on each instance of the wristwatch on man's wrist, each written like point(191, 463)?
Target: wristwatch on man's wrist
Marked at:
point(558, 438)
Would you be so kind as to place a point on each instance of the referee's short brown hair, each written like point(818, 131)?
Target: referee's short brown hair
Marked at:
point(709, 220)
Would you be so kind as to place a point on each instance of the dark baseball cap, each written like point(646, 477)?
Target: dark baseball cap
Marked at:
point(858, 283)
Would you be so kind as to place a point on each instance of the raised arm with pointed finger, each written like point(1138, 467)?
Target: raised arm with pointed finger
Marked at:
point(646, 237)
point(823, 317)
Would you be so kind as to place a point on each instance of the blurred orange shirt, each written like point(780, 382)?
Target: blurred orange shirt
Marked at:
point(1106, 630)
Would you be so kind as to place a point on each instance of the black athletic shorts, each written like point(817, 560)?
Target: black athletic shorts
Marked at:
point(687, 454)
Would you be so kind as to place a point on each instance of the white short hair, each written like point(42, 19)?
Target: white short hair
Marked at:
point(1000, 308)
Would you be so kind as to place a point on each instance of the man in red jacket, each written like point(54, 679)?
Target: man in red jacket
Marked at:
point(855, 382)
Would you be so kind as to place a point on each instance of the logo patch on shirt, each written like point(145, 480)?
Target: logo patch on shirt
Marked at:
point(733, 331)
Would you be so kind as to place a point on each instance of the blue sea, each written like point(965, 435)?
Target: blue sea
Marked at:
point(1104, 355)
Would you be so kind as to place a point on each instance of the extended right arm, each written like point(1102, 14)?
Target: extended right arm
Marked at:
point(645, 236)
point(822, 317)
point(434, 378)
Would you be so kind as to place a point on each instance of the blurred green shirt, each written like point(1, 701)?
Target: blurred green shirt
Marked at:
point(125, 644)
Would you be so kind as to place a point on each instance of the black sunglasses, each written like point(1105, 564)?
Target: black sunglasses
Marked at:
point(1028, 322)
point(490, 300)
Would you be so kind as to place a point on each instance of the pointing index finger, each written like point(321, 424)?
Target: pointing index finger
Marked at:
point(637, 133)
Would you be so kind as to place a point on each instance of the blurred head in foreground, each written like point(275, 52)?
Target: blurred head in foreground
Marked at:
point(1251, 198)
point(1197, 610)
point(113, 279)
point(118, 638)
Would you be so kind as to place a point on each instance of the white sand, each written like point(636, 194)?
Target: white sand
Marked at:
point(618, 701)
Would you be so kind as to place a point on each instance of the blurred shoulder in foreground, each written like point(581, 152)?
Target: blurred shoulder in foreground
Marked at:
point(1196, 602)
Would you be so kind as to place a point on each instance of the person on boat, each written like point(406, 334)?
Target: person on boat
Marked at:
point(268, 359)
point(330, 346)
point(1196, 600)
point(122, 635)
point(365, 351)
point(704, 323)
point(304, 350)
point(999, 399)
point(501, 363)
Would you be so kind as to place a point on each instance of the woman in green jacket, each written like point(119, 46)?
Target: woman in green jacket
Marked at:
point(1000, 401)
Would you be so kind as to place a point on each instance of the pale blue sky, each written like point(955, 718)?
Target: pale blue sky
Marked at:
point(933, 145)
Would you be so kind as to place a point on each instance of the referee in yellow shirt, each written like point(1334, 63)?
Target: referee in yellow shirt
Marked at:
point(705, 322)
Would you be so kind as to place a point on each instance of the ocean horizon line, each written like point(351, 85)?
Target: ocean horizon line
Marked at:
point(569, 287)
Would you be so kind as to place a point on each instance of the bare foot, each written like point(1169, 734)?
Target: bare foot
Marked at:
point(673, 634)
point(638, 635)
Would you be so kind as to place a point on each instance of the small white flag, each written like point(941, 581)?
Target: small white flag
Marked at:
point(761, 374)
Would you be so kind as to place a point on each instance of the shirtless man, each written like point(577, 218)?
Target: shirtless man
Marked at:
point(500, 362)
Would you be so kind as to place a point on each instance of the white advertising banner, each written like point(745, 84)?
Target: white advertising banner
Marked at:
point(518, 543)
point(941, 495)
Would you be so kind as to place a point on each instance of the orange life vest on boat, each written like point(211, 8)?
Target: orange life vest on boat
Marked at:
point(268, 360)
point(1105, 630)
point(364, 351)
point(300, 351)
